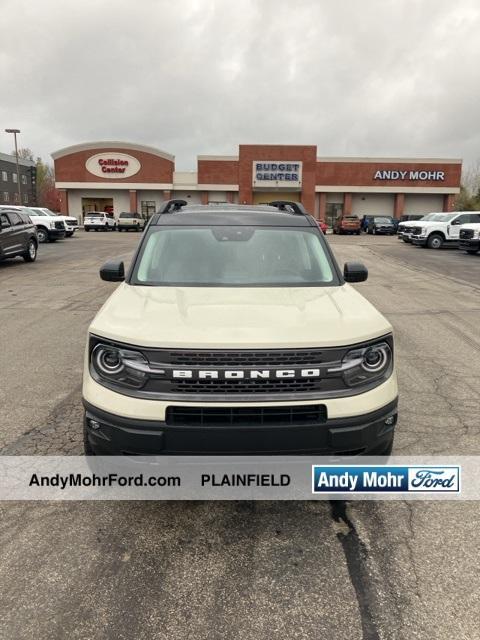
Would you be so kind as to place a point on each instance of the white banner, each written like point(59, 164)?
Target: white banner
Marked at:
point(239, 478)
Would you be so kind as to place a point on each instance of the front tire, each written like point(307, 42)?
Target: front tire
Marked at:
point(435, 241)
point(42, 235)
point(87, 230)
point(472, 252)
point(31, 253)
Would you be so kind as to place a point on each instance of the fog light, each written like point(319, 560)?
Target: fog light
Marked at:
point(93, 424)
point(389, 421)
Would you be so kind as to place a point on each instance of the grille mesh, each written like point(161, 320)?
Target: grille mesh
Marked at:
point(246, 416)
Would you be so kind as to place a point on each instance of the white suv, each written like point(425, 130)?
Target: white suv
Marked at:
point(442, 229)
point(235, 331)
point(99, 220)
point(470, 238)
point(49, 227)
point(71, 223)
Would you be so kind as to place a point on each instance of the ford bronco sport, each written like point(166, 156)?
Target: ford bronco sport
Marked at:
point(235, 331)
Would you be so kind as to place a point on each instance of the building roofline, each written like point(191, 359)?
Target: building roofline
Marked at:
point(6, 157)
point(111, 144)
point(403, 160)
point(220, 158)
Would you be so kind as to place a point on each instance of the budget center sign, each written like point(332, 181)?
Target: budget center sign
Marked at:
point(277, 173)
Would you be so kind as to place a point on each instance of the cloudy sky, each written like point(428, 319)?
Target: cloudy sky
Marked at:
point(355, 77)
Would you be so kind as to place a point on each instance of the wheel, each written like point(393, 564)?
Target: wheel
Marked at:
point(87, 229)
point(69, 234)
point(472, 252)
point(96, 229)
point(137, 228)
point(435, 241)
point(42, 234)
point(31, 253)
point(369, 231)
point(358, 232)
point(119, 229)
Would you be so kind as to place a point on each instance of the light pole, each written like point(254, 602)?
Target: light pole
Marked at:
point(15, 131)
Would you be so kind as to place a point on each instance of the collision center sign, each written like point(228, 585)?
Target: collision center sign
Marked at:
point(113, 165)
point(277, 173)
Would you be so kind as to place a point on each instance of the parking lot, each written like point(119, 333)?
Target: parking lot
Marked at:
point(246, 569)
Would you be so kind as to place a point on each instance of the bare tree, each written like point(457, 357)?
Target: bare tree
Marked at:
point(24, 154)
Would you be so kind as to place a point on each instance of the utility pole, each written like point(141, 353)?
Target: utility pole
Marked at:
point(15, 131)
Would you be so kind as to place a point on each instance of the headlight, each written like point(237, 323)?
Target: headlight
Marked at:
point(367, 364)
point(124, 367)
point(476, 234)
point(52, 224)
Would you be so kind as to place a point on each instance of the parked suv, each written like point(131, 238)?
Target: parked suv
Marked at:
point(18, 236)
point(128, 221)
point(442, 229)
point(470, 238)
point(235, 330)
point(49, 227)
point(381, 224)
point(71, 223)
point(99, 220)
point(347, 224)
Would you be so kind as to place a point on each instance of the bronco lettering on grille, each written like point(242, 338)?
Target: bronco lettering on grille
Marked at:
point(241, 374)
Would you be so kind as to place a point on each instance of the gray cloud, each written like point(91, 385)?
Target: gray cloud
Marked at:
point(370, 78)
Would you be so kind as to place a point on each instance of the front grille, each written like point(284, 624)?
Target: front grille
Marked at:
point(245, 358)
point(246, 416)
point(466, 234)
point(72, 223)
point(248, 386)
point(59, 225)
point(415, 231)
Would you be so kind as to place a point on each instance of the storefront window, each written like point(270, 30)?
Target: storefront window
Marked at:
point(334, 210)
point(148, 207)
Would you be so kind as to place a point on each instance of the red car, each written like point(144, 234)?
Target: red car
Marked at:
point(323, 225)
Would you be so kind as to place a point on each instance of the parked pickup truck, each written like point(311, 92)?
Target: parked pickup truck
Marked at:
point(128, 221)
point(404, 230)
point(49, 227)
point(470, 238)
point(71, 223)
point(443, 229)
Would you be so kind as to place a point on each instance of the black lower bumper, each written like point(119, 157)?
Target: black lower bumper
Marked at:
point(370, 433)
point(56, 234)
point(419, 242)
point(469, 245)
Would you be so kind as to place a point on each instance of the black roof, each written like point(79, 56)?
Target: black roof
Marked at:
point(231, 215)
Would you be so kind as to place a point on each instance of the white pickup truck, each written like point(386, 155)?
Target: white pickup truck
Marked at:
point(71, 223)
point(49, 227)
point(470, 238)
point(442, 229)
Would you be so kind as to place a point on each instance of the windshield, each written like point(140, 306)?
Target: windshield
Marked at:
point(383, 220)
point(234, 256)
point(442, 217)
point(38, 212)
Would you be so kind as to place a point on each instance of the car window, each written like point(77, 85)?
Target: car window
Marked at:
point(125, 215)
point(382, 220)
point(4, 221)
point(15, 219)
point(234, 256)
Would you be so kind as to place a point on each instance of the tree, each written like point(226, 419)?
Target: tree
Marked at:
point(24, 154)
point(469, 197)
point(47, 195)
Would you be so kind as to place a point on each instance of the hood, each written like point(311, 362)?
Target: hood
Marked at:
point(218, 317)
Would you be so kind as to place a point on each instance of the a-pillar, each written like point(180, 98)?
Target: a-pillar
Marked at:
point(399, 206)
point(63, 197)
point(204, 197)
point(448, 202)
point(322, 206)
point(133, 201)
point(347, 204)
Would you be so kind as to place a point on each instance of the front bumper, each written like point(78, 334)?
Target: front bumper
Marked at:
point(419, 242)
point(56, 234)
point(472, 244)
point(116, 435)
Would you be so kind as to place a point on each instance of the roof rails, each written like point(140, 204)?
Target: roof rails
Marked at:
point(170, 206)
point(292, 207)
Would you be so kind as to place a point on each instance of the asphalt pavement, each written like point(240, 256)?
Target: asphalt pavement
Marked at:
point(238, 570)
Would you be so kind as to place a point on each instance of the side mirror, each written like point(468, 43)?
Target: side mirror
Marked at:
point(113, 271)
point(355, 272)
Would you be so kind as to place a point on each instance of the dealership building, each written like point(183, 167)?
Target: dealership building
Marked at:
point(97, 176)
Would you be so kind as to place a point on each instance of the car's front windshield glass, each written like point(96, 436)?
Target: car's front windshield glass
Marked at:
point(234, 256)
point(443, 217)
